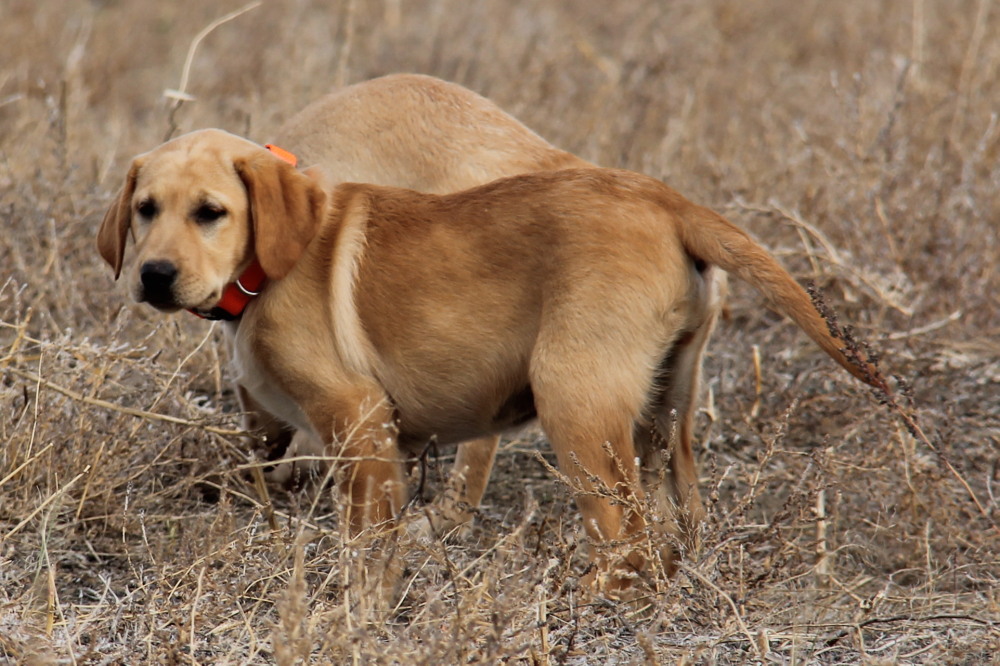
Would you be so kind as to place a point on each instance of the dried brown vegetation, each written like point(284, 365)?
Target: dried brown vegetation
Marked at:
point(858, 140)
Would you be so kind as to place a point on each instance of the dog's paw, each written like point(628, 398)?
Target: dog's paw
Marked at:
point(299, 464)
point(441, 520)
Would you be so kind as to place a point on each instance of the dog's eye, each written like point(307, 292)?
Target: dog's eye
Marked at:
point(147, 209)
point(208, 213)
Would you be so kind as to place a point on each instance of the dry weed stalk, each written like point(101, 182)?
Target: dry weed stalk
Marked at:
point(863, 356)
point(179, 95)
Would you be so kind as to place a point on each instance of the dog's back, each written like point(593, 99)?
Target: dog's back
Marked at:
point(481, 269)
point(418, 132)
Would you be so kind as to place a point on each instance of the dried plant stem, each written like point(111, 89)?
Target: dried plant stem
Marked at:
point(139, 413)
point(968, 67)
point(25, 464)
point(177, 370)
point(919, 40)
point(180, 94)
point(928, 328)
point(822, 568)
point(86, 486)
point(832, 255)
point(51, 498)
point(695, 573)
point(255, 502)
point(345, 47)
point(918, 432)
point(862, 355)
point(543, 627)
point(22, 329)
point(194, 611)
point(265, 497)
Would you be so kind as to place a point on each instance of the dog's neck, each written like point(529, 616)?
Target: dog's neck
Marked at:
point(237, 295)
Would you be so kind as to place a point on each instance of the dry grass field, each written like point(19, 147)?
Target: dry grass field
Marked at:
point(858, 140)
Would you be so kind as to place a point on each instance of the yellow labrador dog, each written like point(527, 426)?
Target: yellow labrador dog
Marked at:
point(389, 316)
point(421, 133)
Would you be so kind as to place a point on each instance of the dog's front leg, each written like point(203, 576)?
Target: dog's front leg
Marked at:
point(359, 433)
point(358, 429)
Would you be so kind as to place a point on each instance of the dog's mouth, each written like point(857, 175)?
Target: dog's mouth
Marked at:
point(206, 313)
point(162, 300)
point(168, 302)
point(165, 307)
point(206, 306)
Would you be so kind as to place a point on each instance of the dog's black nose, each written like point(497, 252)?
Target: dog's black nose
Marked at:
point(158, 279)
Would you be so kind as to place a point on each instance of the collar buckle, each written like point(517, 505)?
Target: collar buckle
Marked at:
point(248, 292)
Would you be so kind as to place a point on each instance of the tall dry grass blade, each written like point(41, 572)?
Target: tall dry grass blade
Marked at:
point(180, 95)
point(131, 411)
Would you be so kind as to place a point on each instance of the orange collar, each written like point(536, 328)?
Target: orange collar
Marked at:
point(237, 295)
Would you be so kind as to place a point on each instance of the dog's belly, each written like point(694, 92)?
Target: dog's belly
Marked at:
point(457, 418)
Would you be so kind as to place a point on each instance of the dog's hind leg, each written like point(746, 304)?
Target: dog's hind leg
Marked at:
point(665, 438)
point(466, 484)
point(588, 397)
point(597, 456)
point(664, 441)
point(455, 507)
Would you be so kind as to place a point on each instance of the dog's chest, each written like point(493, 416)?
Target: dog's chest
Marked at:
point(254, 377)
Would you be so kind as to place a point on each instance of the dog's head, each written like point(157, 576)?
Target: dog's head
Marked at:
point(200, 208)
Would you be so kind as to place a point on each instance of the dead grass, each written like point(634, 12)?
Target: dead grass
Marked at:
point(858, 140)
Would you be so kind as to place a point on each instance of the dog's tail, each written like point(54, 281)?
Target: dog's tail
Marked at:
point(710, 237)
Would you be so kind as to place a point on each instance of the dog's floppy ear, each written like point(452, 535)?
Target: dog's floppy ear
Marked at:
point(113, 234)
point(286, 207)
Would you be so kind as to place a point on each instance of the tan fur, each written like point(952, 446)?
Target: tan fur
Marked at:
point(352, 345)
point(425, 134)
